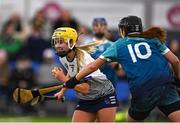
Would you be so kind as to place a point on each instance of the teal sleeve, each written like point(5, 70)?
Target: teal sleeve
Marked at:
point(110, 54)
point(162, 47)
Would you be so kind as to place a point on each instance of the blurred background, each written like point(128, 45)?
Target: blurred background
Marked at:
point(26, 57)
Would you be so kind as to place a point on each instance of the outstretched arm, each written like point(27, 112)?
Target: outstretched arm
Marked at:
point(175, 63)
point(59, 75)
point(109, 55)
point(88, 69)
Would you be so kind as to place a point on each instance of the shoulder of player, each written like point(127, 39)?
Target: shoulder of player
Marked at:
point(120, 41)
point(154, 40)
point(107, 43)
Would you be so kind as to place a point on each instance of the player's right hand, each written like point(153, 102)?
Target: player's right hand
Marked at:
point(59, 74)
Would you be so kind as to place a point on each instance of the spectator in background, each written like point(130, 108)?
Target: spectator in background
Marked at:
point(23, 75)
point(122, 88)
point(44, 77)
point(66, 20)
point(4, 81)
point(21, 30)
point(123, 95)
point(36, 44)
point(175, 47)
point(84, 36)
point(11, 44)
point(109, 35)
point(44, 26)
point(99, 26)
point(4, 69)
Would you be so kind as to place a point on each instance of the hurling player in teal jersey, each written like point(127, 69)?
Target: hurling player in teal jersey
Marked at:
point(144, 57)
point(100, 28)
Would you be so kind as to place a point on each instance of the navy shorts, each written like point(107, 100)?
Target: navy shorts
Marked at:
point(163, 96)
point(95, 105)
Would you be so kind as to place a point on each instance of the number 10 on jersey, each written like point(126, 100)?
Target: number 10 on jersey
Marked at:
point(135, 51)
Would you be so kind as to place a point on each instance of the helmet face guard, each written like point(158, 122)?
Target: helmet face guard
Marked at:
point(62, 52)
point(67, 35)
point(130, 24)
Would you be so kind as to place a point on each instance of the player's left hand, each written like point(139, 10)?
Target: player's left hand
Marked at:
point(60, 94)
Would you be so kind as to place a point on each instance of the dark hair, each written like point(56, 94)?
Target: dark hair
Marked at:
point(99, 20)
point(5, 26)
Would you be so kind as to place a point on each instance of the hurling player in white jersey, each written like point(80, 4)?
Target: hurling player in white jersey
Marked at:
point(97, 99)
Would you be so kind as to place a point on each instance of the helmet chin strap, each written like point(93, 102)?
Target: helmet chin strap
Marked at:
point(69, 44)
point(64, 53)
point(122, 33)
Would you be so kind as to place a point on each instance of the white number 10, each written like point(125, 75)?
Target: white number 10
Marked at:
point(137, 51)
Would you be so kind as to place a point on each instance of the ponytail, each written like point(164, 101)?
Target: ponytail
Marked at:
point(153, 32)
point(80, 54)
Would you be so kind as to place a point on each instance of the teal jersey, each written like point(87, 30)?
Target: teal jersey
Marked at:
point(143, 61)
point(101, 48)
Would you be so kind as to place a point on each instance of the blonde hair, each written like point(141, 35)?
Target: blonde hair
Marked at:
point(89, 48)
point(153, 32)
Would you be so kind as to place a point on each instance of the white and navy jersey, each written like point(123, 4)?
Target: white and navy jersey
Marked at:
point(99, 84)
